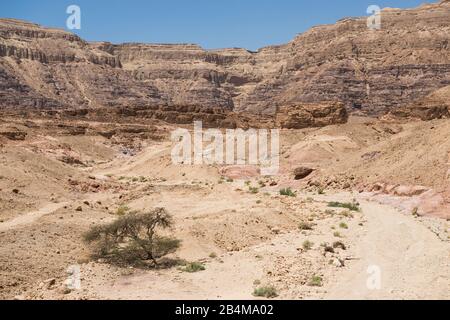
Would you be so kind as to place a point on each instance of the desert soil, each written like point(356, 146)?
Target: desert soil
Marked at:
point(245, 240)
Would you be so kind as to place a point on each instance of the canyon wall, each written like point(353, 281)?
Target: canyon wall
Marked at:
point(369, 72)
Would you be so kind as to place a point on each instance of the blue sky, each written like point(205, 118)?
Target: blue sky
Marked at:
point(248, 24)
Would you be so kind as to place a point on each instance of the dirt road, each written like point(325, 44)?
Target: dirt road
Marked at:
point(412, 262)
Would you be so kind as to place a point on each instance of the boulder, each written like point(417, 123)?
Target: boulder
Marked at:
point(302, 172)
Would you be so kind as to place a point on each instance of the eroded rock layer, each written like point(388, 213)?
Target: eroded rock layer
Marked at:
point(368, 71)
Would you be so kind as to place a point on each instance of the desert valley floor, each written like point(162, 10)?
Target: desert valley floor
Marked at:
point(59, 178)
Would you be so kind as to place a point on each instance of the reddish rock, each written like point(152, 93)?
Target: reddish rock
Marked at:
point(240, 172)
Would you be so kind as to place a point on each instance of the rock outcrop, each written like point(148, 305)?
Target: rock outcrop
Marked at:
point(311, 115)
point(434, 106)
point(302, 172)
point(368, 71)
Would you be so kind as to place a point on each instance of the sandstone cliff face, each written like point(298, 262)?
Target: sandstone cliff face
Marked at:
point(48, 68)
point(310, 115)
point(369, 72)
point(292, 117)
point(434, 106)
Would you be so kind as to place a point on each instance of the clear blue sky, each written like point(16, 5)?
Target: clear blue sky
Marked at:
point(249, 24)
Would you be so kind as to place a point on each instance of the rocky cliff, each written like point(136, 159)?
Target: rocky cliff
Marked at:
point(367, 71)
point(434, 106)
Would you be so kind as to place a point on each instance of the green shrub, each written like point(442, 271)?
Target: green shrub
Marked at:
point(133, 239)
point(353, 206)
point(266, 292)
point(343, 225)
point(307, 245)
point(122, 210)
point(193, 267)
point(305, 226)
point(287, 192)
point(315, 281)
point(253, 190)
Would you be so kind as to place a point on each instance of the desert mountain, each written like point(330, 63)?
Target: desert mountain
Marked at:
point(370, 71)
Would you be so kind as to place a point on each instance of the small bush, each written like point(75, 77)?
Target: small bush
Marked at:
point(253, 190)
point(343, 225)
point(133, 239)
point(266, 292)
point(307, 245)
point(339, 244)
point(353, 206)
point(337, 234)
point(305, 226)
point(287, 192)
point(321, 191)
point(315, 281)
point(213, 255)
point(193, 267)
point(122, 210)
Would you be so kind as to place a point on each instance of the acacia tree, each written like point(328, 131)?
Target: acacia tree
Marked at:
point(133, 238)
